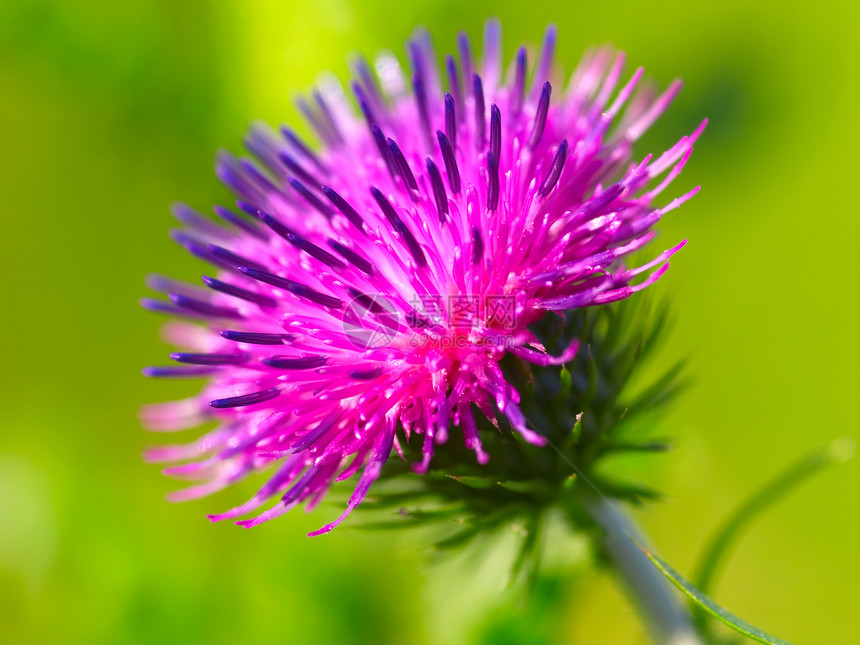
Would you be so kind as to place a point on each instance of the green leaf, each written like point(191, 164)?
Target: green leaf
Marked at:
point(631, 446)
point(565, 384)
point(708, 605)
point(473, 482)
point(572, 439)
point(837, 451)
point(527, 548)
point(527, 487)
point(662, 391)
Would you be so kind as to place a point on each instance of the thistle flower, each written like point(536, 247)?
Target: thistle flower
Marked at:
point(366, 292)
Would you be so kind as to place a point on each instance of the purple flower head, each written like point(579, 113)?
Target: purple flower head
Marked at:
point(365, 292)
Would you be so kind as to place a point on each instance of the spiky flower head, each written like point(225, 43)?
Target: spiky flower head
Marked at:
point(365, 292)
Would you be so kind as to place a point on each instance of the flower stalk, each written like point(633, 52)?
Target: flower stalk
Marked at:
point(667, 621)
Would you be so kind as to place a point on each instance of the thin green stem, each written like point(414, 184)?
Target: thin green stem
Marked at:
point(667, 621)
point(773, 491)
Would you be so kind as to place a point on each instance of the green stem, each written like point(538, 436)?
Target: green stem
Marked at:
point(667, 621)
point(796, 474)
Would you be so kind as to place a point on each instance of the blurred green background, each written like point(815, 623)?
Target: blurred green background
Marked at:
point(111, 110)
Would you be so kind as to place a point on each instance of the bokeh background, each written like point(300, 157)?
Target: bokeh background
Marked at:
point(111, 110)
